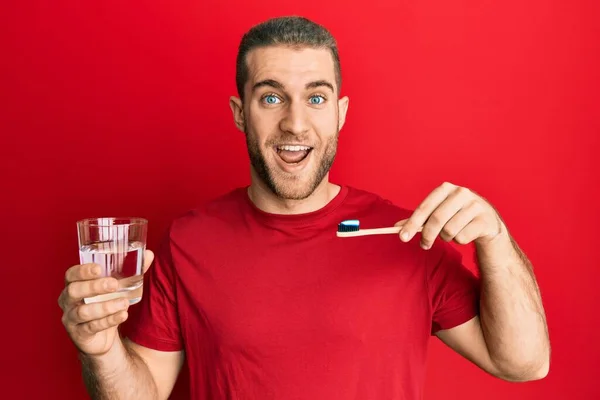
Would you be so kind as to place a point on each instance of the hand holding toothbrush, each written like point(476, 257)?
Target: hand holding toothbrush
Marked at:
point(453, 213)
point(449, 211)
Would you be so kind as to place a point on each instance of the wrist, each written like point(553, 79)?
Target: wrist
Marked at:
point(496, 251)
point(109, 362)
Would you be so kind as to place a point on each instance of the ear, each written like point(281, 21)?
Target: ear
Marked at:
point(238, 112)
point(343, 109)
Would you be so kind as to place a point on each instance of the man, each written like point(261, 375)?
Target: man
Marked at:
point(256, 291)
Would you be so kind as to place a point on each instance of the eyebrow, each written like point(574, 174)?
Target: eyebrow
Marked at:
point(321, 83)
point(268, 82)
point(277, 85)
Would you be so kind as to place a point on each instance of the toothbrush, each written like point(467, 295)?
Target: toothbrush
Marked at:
point(351, 228)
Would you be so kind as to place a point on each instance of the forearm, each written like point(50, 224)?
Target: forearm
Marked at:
point(512, 315)
point(119, 374)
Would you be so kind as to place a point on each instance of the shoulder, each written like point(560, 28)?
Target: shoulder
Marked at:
point(374, 210)
point(378, 211)
point(221, 210)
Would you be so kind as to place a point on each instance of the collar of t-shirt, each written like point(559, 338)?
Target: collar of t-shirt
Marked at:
point(321, 218)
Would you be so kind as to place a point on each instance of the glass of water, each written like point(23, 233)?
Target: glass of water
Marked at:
point(117, 245)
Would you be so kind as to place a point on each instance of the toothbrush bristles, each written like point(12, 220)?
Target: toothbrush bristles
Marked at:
point(349, 226)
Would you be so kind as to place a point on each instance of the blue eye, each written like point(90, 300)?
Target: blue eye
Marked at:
point(317, 100)
point(270, 99)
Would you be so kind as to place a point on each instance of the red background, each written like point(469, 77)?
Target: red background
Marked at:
point(119, 108)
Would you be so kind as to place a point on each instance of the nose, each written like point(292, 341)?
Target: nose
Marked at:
point(295, 120)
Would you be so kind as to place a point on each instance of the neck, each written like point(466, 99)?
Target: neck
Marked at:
point(266, 200)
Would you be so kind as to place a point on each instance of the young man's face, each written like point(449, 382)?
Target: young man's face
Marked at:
point(291, 116)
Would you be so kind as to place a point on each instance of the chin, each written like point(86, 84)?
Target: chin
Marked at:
point(293, 187)
point(287, 180)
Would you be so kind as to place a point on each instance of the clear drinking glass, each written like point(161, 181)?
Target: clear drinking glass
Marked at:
point(117, 244)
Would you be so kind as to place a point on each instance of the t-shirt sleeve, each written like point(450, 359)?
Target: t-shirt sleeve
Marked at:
point(154, 321)
point(453, 289)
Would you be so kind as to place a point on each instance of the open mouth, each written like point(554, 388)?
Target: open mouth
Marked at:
point(293, 154)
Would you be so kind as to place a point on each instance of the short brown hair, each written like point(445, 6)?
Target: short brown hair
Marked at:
point(291, 31)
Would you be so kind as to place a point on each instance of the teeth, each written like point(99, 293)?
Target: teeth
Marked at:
point(293, 148)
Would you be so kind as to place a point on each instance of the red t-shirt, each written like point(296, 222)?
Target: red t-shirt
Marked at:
point(277, 307)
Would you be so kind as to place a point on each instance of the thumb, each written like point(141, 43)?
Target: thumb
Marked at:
point(401, 222)
point(406, 226)
point(148, 258)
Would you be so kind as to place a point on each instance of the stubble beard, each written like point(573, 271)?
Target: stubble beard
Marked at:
point(285, 185)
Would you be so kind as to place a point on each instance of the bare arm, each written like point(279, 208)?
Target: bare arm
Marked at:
point(129, 371)
point(510, 338)
point(113, 368)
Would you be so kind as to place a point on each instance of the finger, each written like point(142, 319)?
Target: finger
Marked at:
point(440, 217)
point(76, 291)
point(470, 232)
point(83, 272)
point(459, 221)
point(424, 210)
point(89, 312)
point(148, 258)
point(99, 325)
